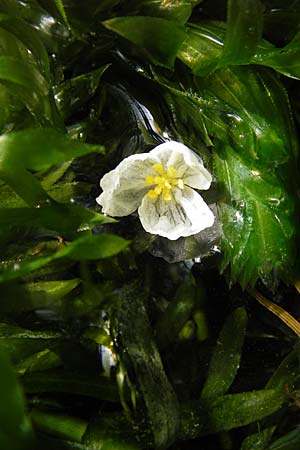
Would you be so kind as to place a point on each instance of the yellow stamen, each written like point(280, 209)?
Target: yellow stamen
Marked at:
point(158, 168)
point(150, 179)
point(164, 181)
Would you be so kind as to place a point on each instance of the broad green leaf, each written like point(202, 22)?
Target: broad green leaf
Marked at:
point(95, 247)
point(203, 50)
point(64, 381)
point(285, 375)
point(38, 149)
point(178, 11)
point(258, 441)
point(158, 394)
point(226, 357)
point(179, 310)
point(18, 297)
point(32, 88)
point(243, 30)
point(76, 91)
point(44, 360)
point(245, 114)
point(285, 60)
point(87, 247)
point(203, 47)
point(29, 36)
point(159, 38)
point(59, 425)
point(22, 150)
point(225, 413)
point(15, 427)
point(67, 220)
point(48, 292)
point(21, 344)
point(289, 441)
point(258, 226)
point(228, 412)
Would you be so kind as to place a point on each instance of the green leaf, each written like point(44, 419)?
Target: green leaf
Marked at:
point(158, 394)
point(226, 357)
point(243, 31)
point(84, 248)
point(258, 225)
point(31, 39)
point(22, 150)
point(228, 412)
point(76, 91)
point(179, 310)
point(15, 428)
point(43, 360)
point(285, 375)
point(289, 441)
point(48, 292)
point(284, 60)
point(67, 220)
point(203, 47)
point(159, 38)
point(178, 11)
point(258, 441)
point(245, 114)
point(60, 6)
point(64, 381)
point(95, 247)
point(28, 83)
point(59, 425)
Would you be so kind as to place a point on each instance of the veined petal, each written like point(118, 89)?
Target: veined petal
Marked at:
point(125, 186)
point(187, 214)
point(188, 165)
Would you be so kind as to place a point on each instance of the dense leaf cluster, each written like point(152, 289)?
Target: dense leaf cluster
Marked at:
point(111, 338)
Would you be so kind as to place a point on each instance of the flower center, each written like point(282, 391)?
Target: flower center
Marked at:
point(164, 182)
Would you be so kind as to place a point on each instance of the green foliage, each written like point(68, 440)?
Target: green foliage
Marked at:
point(225, 360)
point(139, 30)
point(15, 428)
point(120, 339)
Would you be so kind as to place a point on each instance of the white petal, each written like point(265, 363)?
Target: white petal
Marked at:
point(188, 164)
point(187, 215)
point(124, 187)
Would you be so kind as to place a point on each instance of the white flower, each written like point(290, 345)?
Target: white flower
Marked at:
point(159, 185)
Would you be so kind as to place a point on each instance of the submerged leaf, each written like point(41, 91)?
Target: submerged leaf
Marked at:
point(226, 357)
point(158, 394)
point(84, 248)
point(159, 38)
point(15, 428)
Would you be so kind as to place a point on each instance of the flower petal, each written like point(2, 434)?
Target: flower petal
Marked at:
point(125, 186)
point(187, 214)
point(189, 165)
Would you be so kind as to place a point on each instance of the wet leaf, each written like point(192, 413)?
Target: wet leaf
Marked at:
point(68, 382)
point(243, 31)
point(290, 441)
point(15, 427)
point(59, 425)
point(258, 441)
point(84, 248)
point(226, 357)
point(159, 38)
point(158, 394)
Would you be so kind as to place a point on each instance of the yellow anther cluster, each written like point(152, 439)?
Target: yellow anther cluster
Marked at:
point(163, 182)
